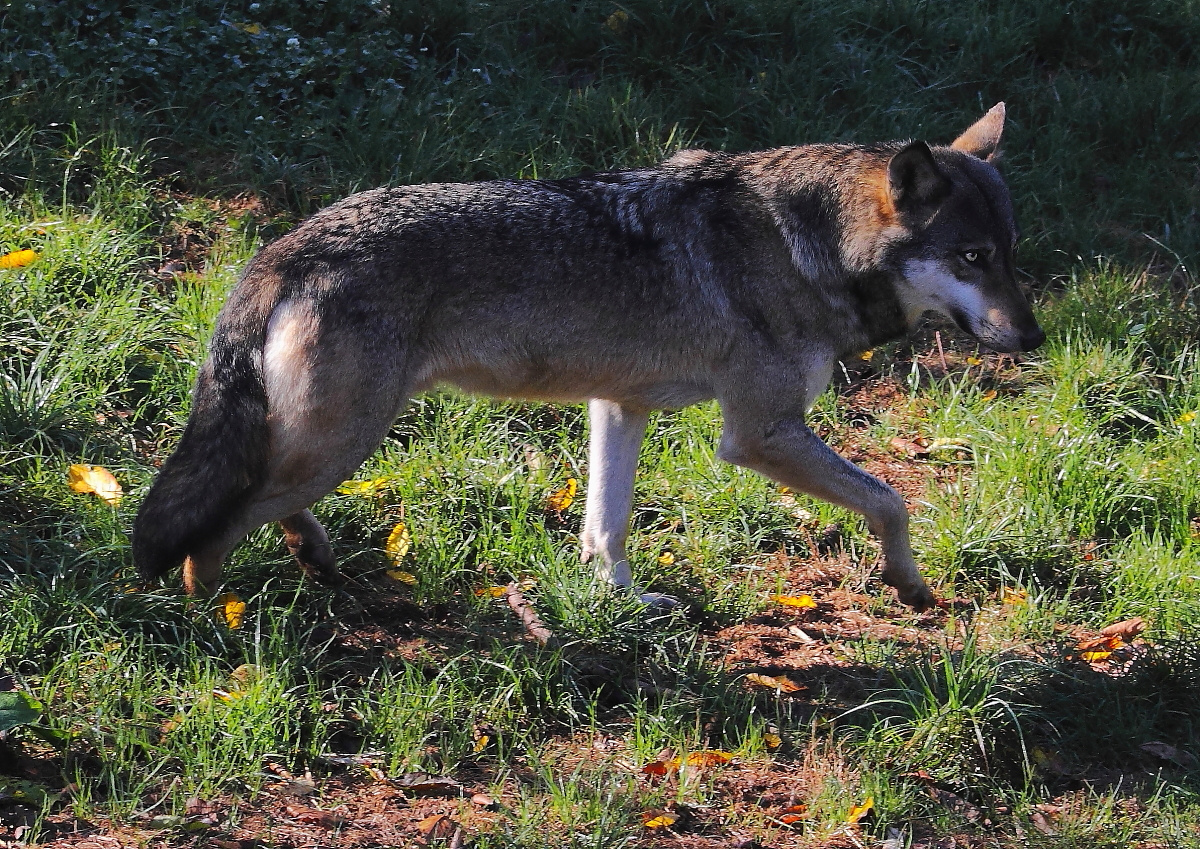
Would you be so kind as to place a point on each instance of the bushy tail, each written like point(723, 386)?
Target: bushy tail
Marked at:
point(220, 459)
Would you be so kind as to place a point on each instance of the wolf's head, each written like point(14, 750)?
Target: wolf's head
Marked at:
point(956, 256)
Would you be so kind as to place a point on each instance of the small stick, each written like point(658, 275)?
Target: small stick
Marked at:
point(528, 616)
point(937, 335)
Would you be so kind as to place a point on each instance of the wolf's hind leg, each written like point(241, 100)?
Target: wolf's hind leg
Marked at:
point(309, 544)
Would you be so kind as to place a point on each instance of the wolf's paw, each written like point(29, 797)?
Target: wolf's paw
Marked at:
point(659, 601)
point(919, 598)
point(916, 595)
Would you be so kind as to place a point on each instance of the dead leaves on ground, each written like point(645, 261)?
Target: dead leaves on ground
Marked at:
point(1113, 648)
point(699, 760)
point(95, 479)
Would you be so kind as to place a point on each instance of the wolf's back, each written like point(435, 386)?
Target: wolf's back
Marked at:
point(223, 451)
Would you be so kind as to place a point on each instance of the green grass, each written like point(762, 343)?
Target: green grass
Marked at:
point(1074, 477)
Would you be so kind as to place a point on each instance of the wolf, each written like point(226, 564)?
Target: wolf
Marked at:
point(740, 277)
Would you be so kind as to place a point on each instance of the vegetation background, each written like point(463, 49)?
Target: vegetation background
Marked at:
point(147, 148)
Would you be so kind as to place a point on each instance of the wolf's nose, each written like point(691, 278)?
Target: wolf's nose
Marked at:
point(1034, 339)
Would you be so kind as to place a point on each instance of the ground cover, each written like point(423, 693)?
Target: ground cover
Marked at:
point(791, 702)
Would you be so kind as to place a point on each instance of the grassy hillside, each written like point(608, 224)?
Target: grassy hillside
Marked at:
point(146, 152)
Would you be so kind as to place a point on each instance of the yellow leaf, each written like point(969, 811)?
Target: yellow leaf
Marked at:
point(708, 758)
point(18, 259)
point(398, 543)
point(666, 558)
point(253, 29)
point(666, 819)
point(860, 811)
point(866, 355)
point(367, 489)
point(403, 577)
point(1016, 598)
point(801, 601)
point(561, 499)
point(990, 395)
point(617, 21)
point(494, 592)
point(233, 609)
point(772, 741)
point(481, 743)
point(974, 361)
point(96, 479)
point(1095, 656)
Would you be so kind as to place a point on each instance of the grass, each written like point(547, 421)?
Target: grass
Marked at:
point(1059, 495)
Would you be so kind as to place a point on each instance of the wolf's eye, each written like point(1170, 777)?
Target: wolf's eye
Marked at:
point(971, 256)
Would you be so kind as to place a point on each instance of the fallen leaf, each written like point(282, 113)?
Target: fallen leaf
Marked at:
point(772, 741)
point(660, 768)
point(990, 395)
point(313, 816)
point(708, 758)
point(859, 811)
point(974, 361)
point(780, 683)
point(794, 813)
point(907, 447)
point(95, 479)
point(232, 609)
point(424, 784)
point(561, 499)
point(494, 592)
point(1015, 598)
point(367, 489)
point(1167, 752)
point(801, 601)
point(483, 800)
point(436, 827)
point(617, 21)
point(1126, 630)
point(398, 543)
point(666, 558)
point(659, 819)
point(865, 356)
point(481, 743)
point(800, 634)
point(18, 259)
point(402, 576)
point(1042, 824)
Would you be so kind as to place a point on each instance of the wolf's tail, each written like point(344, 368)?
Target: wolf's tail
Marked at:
point(222, 455)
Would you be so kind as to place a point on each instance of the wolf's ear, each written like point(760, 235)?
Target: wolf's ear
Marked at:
point(982, 139)
point(914, 179)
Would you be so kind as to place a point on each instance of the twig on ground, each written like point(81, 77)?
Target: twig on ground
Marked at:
point(528, 616)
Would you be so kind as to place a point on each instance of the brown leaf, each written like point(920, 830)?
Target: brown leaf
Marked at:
point(313, 816)
point(908, 447)
point(779, 683)
point(1167, 752)
point(424, 784)
point(1126, 630)
point(437, 827)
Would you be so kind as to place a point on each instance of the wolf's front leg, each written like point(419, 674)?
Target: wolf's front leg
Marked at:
point(787, 451)
point(616, 437)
